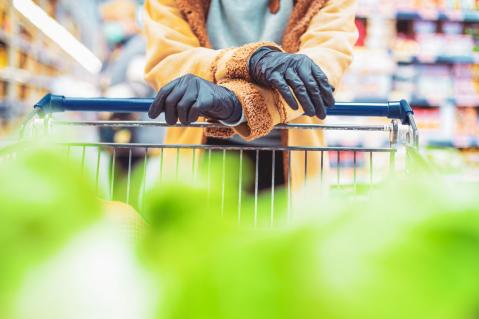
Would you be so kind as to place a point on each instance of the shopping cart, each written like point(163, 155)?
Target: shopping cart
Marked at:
point(350, 168)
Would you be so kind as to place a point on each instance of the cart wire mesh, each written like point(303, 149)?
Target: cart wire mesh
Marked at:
point(126, 170)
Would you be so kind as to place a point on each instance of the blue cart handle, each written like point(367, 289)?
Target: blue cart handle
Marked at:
point(56, 103)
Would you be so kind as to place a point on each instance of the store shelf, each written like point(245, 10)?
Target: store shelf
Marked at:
point(24, 77)
point(4, 37)
point(442, 59)
point(12, 109)
point(469, 149)
point(472, 144)
point(420, 102)
point(436, 66)
point(438, 15)
point(424, 102)
point(4, 109)
point(433, 15)
point(31, 61)
point(41, 53)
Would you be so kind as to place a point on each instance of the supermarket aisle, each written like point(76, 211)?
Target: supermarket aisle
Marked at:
point(425, 52)
point(422, 51)
point(108, 222)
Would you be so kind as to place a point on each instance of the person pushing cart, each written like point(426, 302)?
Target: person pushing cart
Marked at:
point(220, 61)
point(250, 65)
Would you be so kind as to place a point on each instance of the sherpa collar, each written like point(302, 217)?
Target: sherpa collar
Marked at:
point(195, 13)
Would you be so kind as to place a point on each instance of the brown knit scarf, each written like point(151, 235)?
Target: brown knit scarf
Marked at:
point(195, 13)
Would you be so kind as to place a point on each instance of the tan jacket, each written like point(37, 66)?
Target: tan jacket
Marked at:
point(178, 44)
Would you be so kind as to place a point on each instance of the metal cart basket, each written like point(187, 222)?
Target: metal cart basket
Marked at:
point(350, 168)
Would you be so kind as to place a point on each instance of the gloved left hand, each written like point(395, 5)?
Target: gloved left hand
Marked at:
point(284, 71)
point(189, 97)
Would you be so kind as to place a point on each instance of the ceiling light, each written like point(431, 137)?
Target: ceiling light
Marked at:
point(58, 34)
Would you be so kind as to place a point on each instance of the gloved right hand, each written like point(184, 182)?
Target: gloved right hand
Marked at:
point(189, 97)
point(284, 71)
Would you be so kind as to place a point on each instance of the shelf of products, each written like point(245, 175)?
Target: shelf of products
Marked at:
point(460, 10)
point(438, 14)
point(428, 53)
point(29, 61)
point(427, 14)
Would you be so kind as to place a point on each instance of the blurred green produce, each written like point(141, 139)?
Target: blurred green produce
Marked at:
point(43, 201)
point(411, 250)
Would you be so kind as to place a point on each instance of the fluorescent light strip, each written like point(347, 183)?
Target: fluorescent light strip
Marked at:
point(59, 35)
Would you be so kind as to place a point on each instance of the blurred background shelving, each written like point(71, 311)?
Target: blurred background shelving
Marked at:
point(32, 62)
point(425, 51)
point(27, 61)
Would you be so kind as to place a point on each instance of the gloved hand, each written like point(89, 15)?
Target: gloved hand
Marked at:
point(189, 97)
point(284, 71)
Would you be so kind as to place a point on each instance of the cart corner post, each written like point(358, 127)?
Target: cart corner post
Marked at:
point(50, 103)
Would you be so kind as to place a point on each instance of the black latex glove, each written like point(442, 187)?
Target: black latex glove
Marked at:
point(284, 71)
point(189, 97)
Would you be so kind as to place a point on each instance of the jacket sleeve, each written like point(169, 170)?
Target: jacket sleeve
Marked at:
point(173, 50)
point(329, 41)
point(330, 38)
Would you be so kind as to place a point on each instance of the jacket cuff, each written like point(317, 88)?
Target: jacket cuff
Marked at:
point(219, 132)
point(233, 63)
point(259, 121)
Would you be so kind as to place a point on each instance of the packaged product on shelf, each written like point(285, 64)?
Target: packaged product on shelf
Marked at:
point(430, 46)
point(3, 56)
point(424, 27)
point(429, 123)
point(434, 83)
point(405, 48)
point(362, 32)
point(4, 18)
point(468, 4)
point(452, 27)
point(3, 89)
point(475, 77)
point(369, 75)
point(426, 7)
point(473, 31)
point(465, 91)
point(467, 121)
point(458, 45)
point(404, 84)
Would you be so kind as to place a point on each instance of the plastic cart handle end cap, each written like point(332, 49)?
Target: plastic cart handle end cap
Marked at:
point(406, 112)
point(400, 110)
point(50, 103)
